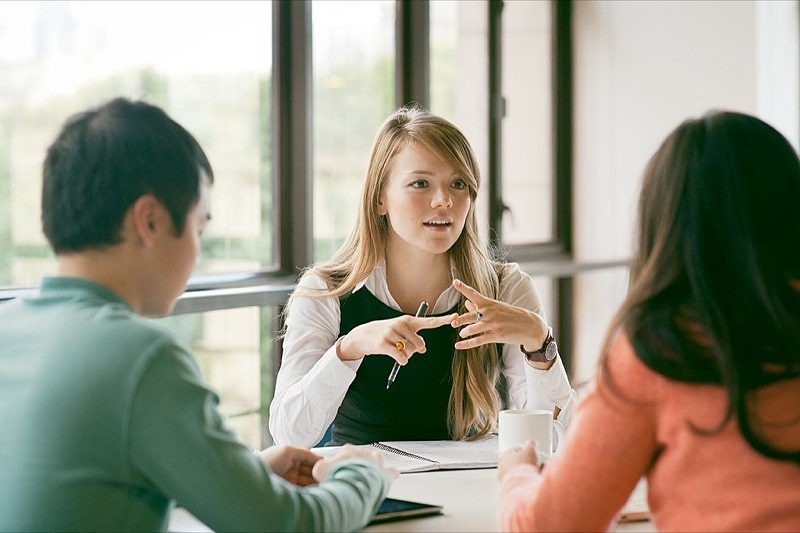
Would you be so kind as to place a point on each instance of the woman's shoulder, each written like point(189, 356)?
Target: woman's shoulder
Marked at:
point(322, 277)
point(312, 279)
point(630, 374)
point(311, 298)
point(509, 270)
point(511, 275)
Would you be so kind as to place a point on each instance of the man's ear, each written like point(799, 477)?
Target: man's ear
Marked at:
point(147, 214)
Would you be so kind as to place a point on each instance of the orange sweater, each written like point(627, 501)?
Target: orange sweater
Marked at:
point(695, 482)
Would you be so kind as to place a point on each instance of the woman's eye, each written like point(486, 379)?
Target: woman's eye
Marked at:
point(419, 184)
point(459, 184)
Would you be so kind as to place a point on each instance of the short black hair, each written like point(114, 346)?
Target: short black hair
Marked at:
point(103, 160)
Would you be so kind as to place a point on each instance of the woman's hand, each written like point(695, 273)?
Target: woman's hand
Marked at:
point(489, 321)
point(521, 455)
point(395, 337)
point(373, 455)
point(295, 465)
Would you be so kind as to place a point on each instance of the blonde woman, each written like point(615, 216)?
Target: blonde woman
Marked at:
point(351, 318)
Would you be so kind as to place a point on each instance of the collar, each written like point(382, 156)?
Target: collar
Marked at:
point(76, 287)
point(376, 284)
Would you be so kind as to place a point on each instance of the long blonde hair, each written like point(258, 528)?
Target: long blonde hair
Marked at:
point(474, 400)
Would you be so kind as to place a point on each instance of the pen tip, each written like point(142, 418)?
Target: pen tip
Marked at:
point(388, 385)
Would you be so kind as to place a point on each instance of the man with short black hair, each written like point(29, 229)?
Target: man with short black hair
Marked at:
point(107, 421)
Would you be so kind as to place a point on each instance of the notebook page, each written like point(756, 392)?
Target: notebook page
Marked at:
point(391, 459)
point(452, 454)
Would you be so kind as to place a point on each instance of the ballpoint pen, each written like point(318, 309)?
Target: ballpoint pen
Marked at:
point(423, 308)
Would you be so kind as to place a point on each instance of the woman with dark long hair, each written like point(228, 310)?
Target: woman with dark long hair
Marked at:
point(698, 388)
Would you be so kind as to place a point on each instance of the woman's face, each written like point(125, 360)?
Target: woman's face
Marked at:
point(425, 200)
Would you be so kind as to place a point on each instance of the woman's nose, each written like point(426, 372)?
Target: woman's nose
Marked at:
point(442, 198)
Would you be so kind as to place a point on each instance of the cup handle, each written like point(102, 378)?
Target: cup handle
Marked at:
point(560, 432)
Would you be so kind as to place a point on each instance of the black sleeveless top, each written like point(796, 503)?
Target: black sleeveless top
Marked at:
point(415, 406)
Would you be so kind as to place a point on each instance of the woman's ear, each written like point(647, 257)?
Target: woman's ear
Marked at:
point(381, 207)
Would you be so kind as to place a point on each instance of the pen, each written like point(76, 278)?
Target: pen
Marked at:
point(423, 308)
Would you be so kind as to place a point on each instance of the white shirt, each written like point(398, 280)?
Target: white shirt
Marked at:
point(312, 380)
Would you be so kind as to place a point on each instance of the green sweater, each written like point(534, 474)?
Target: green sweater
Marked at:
point(106, 422)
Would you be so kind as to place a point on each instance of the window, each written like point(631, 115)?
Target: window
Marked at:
point(527, 184)
point(60, 57)
point(286, 97)
point(353, 91)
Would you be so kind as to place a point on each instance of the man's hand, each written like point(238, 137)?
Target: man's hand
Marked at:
point(292, 464)
point(349, 451)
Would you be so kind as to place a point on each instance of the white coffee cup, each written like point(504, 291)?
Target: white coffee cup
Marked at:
point(517, 426)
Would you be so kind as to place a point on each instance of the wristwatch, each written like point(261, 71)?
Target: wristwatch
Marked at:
point(546, 353)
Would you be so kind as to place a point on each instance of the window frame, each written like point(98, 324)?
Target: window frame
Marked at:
point(558, 252)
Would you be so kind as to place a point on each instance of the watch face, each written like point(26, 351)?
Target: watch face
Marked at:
point(551, 351)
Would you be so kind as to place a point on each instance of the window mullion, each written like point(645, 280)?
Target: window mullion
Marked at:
point(412, 49)
point(292, 139)
point(496, 113)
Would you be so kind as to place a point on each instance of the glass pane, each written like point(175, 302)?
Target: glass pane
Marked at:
point(527, 176)
point(458, 74)
point(444, 41)
point(353, 91)
point(208, 64)
point(58, 58)
point(546, 286)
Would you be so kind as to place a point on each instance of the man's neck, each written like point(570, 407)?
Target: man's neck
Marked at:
point(105, 267)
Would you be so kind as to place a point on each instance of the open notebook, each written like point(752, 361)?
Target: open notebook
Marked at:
point(426, 455)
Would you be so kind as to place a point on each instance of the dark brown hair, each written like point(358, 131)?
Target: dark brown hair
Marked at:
point(711, 296)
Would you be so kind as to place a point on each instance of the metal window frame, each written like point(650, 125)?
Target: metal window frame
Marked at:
point(292, 134)
point(412, 52)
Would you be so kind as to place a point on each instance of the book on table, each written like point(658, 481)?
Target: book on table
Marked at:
point(426, 455)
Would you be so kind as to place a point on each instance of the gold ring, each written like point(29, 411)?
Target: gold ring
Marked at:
point(400, 345)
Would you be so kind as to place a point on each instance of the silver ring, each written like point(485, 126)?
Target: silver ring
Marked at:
point(478, 316)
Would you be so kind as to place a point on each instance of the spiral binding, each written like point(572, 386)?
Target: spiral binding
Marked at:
point(392, 449)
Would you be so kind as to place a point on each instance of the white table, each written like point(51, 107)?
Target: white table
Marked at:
point(469, 498)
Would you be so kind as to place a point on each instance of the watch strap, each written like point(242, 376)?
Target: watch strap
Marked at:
point(542, 355)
